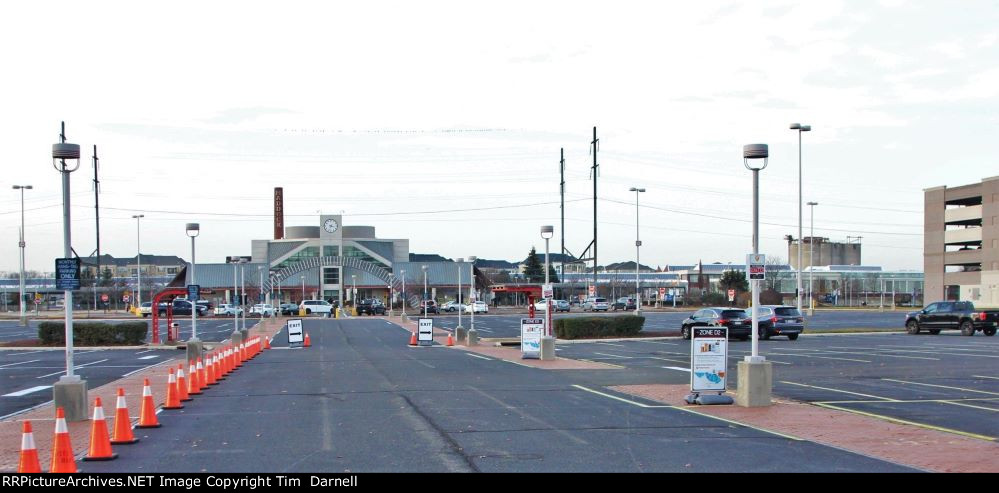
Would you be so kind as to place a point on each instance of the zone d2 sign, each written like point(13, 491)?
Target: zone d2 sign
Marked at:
point(756, 266)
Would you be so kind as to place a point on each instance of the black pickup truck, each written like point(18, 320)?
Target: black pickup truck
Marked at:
point(952, 315)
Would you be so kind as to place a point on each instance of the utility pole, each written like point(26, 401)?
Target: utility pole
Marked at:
point(97, 218)
point(595, 174)
point(561, 172)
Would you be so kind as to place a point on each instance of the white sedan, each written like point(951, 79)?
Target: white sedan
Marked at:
point(263, 309)
point(477, 307)
point(542, 305)
point(226, 309)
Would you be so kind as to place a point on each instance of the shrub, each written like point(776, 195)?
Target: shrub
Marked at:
point(580, 327)
point(94, 333)
point(715, 299)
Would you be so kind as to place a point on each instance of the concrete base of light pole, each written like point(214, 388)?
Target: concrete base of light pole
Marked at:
point(245, 333)
point(236, 337)
point(24, 320)
point(194, 349)
point(460, 333)
point(755, 384)
point(70, 393)
point(472, 338)
point(638, 312)
point(547, 348)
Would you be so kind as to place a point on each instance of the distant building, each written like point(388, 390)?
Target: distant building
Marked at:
point(961, 242)
point(825, 252)
point(124, 267)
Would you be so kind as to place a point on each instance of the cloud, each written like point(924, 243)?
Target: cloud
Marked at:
point(242, 115)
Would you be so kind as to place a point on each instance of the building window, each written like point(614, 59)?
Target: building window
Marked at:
point(350, 251)
point(331, 275)
point(305, 253)
point(331, 251)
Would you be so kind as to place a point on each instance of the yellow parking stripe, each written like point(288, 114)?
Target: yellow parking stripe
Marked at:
point(941, 386)
point(904, 422)
point(882, 399)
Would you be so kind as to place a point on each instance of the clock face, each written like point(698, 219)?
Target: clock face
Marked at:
point(330, 226)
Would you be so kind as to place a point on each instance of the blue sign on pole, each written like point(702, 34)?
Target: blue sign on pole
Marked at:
point(67, 273)
point(193, 292)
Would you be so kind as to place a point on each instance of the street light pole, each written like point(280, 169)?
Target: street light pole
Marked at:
point(21, 244)
point(811, 259)
point(638, 245)
point(755, 373)
point(70, 392)
point(547, 341)
point(402, 272)
point(193, 344)
point(138, 263)
point(459, 331)
point(425, 304)
point(473, 335)
point(800, 128)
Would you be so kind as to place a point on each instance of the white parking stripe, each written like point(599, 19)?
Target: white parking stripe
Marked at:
point(677, 368)
point(19, 363)
point(28, 391)
point(77, 367)
point(150, 356)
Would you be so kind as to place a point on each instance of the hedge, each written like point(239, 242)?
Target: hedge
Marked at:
point(94, 333)
point(580, 327)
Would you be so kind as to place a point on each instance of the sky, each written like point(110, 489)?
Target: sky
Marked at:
point(442, 122)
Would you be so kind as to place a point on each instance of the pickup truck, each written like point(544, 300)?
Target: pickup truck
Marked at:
point(952, 315)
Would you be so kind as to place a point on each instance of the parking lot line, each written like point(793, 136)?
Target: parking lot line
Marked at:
point(983, 376)
point(677, 368)
point(76, 367)
point(478, 356)
point(744, 425)
point(667, 359)
point(881, 399)
point(634, 403)
point(941, 386)
point(612, 355)
point(906, 422)
point(876, 354)
point(820, 357)
point(27, 391)
point(590, 361)
point(19, 363)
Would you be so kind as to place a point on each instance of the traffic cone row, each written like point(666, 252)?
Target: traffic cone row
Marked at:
point(180, 388)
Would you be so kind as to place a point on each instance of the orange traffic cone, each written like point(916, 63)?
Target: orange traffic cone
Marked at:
point(412, 339)
point(62, 449)
point(122, 422)
point(308, 340)
point(240, 354)
point(450, 339)
point(100, 441)
point(267, 342)
point(210, 370)
point(173, 395)
point(202, 375)
point(219, 367)
point(29, 453)
point(147, 411)
point(193, 385)
point(182, 384)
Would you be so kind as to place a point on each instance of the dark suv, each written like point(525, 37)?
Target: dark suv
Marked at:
point(370, 307)
point(182, 307)
point(430, 306)
point(624, 303)
point(736, 319)
point(779, 320)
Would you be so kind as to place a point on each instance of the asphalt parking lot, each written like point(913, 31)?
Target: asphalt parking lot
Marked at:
point(945, 382)
point(372, 403)
point(508, 325)
point(209, 328)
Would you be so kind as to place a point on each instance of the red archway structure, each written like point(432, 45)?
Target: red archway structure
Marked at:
point(171, 293)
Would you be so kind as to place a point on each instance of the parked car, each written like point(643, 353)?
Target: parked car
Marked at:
point(262, 309)
point(735, 319)
point(181, 307)
point(952, 315)
point(452, 306)
point(561, 306)
point(477, 307)
point(370, 307)
point(428, 306)
point(146, 308)
point(595, 304)
point(624, 303)
point(541, 305)
point(206, 304)
point(288, 309)
point(321, 307)
point(228, 310)
point(779, 320)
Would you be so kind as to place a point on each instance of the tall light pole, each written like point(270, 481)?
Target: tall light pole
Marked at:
point(193, 344)
point(138, 263)
point(459, 331)
point(303, 288)
point(472, 336)
point(70, 392)
point(547, 341)
point(391, 292)
point(638, 245)
point(20, 244)
point(811, 259)
point(757, 371)
point(260, 291)
point(402, 273)
point(353, 290)
point(800, 128)
point(425, 304)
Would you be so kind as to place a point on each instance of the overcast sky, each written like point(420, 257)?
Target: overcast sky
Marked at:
point(441, 122)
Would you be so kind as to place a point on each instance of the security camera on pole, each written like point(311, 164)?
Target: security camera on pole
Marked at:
point(70, 392)
point(755, 373)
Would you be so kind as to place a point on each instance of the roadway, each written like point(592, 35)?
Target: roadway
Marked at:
point(362, 400)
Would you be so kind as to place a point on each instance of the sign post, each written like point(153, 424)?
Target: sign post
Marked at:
point(295, 334)
point(531, 330)
point(708, 365)
point(425, 334)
